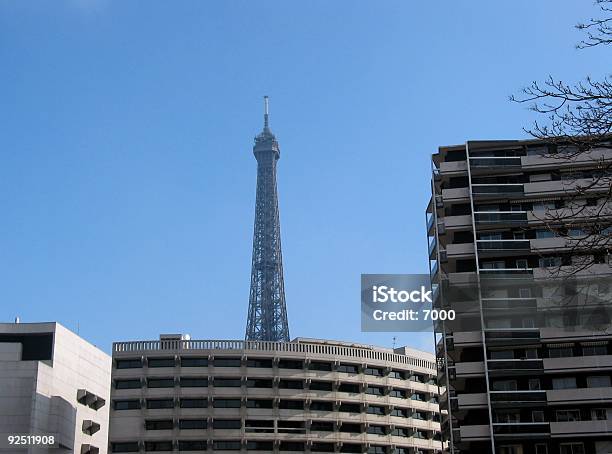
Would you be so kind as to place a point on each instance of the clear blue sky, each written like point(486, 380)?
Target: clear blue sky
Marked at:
point(127, 180)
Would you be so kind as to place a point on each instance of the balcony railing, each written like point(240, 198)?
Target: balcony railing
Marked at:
point(518, 396)
point(501, 217)
point(502, 161)
point(501, 189)
point(504, 245)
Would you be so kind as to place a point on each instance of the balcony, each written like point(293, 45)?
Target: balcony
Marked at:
point(580, 428)
point(475, 432)
point(500, 218)
point(496, 191)
point(460, 250)
point(519, 398)
point(495, 163)
point(506, 247)
point(472, 400)
point(579, 396)
point(578, 363)
point(515, 366)
point(520, 429)
point(455, 195)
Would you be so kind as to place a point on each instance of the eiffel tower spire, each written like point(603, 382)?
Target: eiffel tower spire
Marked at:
point(267, 317)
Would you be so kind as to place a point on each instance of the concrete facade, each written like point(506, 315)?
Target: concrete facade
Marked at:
point(53, 382)
point(307, 395)
point(527, 363)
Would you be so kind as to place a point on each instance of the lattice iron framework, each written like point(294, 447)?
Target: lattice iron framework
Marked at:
point(267, 317)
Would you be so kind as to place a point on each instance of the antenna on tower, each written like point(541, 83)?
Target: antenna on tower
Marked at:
point(266, 112)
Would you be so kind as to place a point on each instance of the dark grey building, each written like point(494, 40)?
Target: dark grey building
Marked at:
point(527, 361)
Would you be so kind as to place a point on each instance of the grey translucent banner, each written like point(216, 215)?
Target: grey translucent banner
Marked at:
point(496, 300)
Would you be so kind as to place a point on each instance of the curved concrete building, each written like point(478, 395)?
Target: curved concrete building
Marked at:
point(307, 395)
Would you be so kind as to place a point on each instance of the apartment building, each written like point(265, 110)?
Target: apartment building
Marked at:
point(307, 395)
point(53, 383)
point(527, 362)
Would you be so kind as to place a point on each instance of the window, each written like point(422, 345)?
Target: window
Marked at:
point(227, 382)
point(374, 390)
point(291, 384)
point(349, 408)
point(376, 430)
point(160, 383)
point(259, 362)
point(401, 412)
point(490, 236)
point(158, 446)
point(599, 414)
point(259, 383)
point(541, 448)
point(259, 426)
point(193, 382)
point(291, 404)
point(160, 403)
point(377, 450)
point(318, 405)
point(192, 445)
point(531, 353)
point(351, 447)
point(398, 393)
point(128, 363)
point(322, 426)
point(160, 362)
point(290, 364)
point(541, 206)
point(519, 235)
point(227, 445)
point(226, 362)
point(128, 384)
point(376, 371)
point(130, 446)
point(348, 388)
point(502, 354)
point(164, 424)
point(534, 384)
point(321, 386)
point(504, 385)
point(188, 361)
point(568, 415)
point(594, 350)
point(507, 416)
point(189, 424)
point(397, 374)
point(318, 365)
point(564, 383)
point(572, 448)
point(547, 262)
point(348, 368)
point(545, 233)
point(401, 432)
point(226, 403)
point(560, 352)
point(350, 428)
point(260, 446)
point(375, 410)
point(194, 403)
point(522, 263)
point(494, 265)
point(259, 403)
point(126, 404)
point(291, 446)
point(227, 424)
point(418, 396)
point(537, 416)
point(511, 449)
point(322, 447)
point(598, 381)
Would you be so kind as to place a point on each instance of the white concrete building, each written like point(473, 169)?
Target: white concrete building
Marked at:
point(307, 395)
point(53, 382)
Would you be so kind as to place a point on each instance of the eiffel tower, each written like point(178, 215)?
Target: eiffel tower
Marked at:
point(267, 317)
